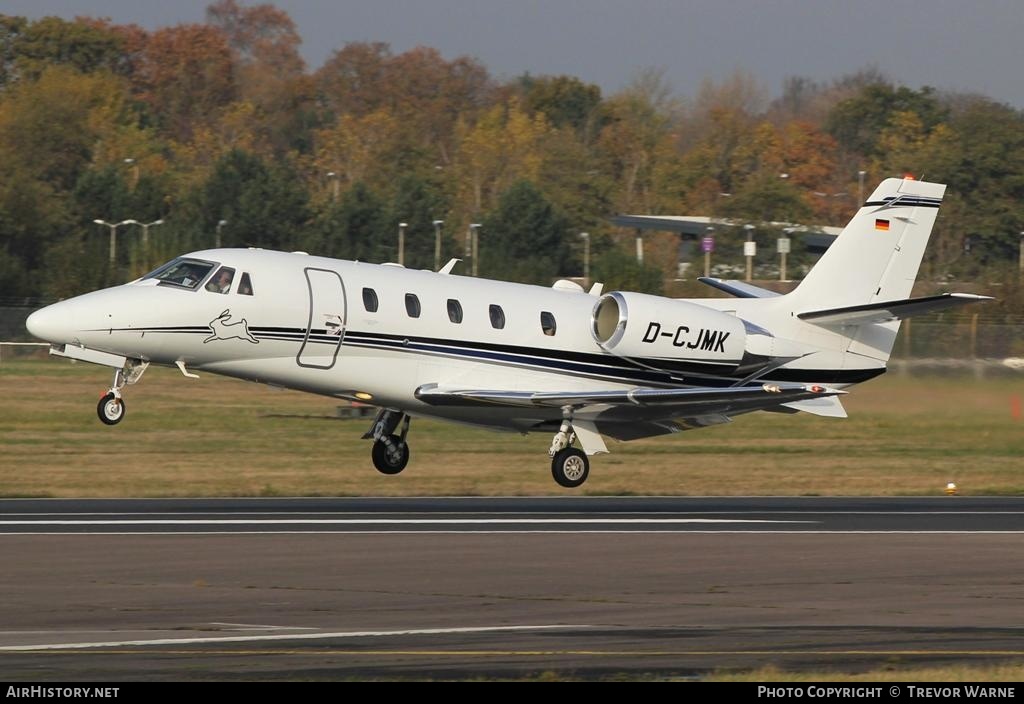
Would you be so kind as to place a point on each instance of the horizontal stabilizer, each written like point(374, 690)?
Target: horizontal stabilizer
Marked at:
point(740, 289)
point(886, 311)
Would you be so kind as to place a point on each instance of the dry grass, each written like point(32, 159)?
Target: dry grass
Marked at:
point(214, 436)
point(976, 674)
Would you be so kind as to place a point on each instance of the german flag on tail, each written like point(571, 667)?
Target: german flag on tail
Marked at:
point(881, 224)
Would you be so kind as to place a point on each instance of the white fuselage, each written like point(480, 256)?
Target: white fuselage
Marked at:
point(306, 326)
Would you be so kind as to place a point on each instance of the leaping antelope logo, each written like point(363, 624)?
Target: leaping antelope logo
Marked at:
point(223, 330)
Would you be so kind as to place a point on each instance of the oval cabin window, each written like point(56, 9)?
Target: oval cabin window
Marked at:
point(412, 305)
point(497, 317)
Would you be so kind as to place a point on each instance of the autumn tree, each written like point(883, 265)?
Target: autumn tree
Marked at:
point(186, 75)
point(504, 146)
point(565, 101)
point(425, 93)
point(858, 122)
point(637, 142)
point(27, 48)
point(271, 72)
point(49, 130)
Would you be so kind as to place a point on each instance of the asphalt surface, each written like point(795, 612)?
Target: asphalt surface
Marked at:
point(518, 587)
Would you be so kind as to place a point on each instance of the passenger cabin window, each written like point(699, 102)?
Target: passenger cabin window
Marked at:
point(497, 317)
point(370, 302)
point(245, 285)
point(184, 273)
point(454, 311)
point(221, 281)
point(412, 305)
point(547, 323)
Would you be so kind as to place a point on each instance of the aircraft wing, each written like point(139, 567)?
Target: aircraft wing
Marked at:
point(887, 311)
point(696, 401)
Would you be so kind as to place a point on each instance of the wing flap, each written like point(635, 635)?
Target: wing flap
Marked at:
point(888, 311)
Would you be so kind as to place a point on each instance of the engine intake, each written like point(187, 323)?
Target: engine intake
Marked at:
point(644, 327)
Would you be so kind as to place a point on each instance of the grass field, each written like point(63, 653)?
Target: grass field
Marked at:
point(220, 437)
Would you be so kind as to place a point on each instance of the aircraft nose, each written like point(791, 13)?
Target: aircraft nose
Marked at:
point(52, 323)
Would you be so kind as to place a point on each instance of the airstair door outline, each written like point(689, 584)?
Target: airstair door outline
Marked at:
point(325, 327)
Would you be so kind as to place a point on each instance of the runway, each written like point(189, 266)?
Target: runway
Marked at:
point(508, 587)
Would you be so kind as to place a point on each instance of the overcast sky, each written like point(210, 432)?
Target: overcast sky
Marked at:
point(963, 45)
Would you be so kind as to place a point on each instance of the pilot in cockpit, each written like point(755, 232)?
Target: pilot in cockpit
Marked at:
point(221, 281)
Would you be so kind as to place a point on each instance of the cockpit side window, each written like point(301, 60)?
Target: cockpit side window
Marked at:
point(184, 273)
point(221, 281)
point(245, 285)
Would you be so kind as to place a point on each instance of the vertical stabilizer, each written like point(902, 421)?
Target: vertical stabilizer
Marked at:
point(877, 255)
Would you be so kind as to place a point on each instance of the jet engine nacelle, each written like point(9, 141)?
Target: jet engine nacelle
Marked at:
point(640, 326)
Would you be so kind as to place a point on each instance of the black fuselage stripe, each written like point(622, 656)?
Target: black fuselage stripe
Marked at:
point(667, 372)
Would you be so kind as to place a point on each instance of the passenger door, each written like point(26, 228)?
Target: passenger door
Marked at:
point(325, 327)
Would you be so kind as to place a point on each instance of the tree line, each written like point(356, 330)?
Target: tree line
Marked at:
point(220, 131)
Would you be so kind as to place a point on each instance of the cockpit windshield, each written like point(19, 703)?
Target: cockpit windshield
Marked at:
point(186, 273)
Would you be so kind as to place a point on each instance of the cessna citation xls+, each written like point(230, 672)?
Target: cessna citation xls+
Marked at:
point(508, 356)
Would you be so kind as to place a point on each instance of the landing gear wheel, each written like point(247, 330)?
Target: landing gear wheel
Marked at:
point(110, 409)
point(390, 463)
point(570, 467)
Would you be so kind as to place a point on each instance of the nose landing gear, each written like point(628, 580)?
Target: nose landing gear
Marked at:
point(111, 408)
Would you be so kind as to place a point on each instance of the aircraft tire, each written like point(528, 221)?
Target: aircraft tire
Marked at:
point(110, 409)
point(570, 467)
point(381, 460)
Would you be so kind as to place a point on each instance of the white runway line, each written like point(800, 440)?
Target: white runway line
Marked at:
point(467, 533)
point(293, 636)
point(383, 521)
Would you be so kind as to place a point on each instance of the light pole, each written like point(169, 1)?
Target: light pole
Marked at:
point(113, 236)
point(708, 245)
point(639, 247)
point(860, 187)
point(783, 246)
point(585, 236)
point(474, 230)
point(333, 176)
point(1021, 265)
point(437, 244)
point(220, 226)
point(134, 166)
point(145, 238)
point(401, 242)
point(749, 250)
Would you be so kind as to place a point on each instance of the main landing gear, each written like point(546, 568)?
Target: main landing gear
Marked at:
point(390, 451)
point(111, 408)
point(569, 465)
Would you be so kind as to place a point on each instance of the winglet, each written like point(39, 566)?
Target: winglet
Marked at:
point(740, 289)
point(447, 268)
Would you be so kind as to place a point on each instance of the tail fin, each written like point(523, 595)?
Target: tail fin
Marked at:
point(874, 261)
point(877, 255)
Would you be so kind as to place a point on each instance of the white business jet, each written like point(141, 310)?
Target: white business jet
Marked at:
point(511, 356)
